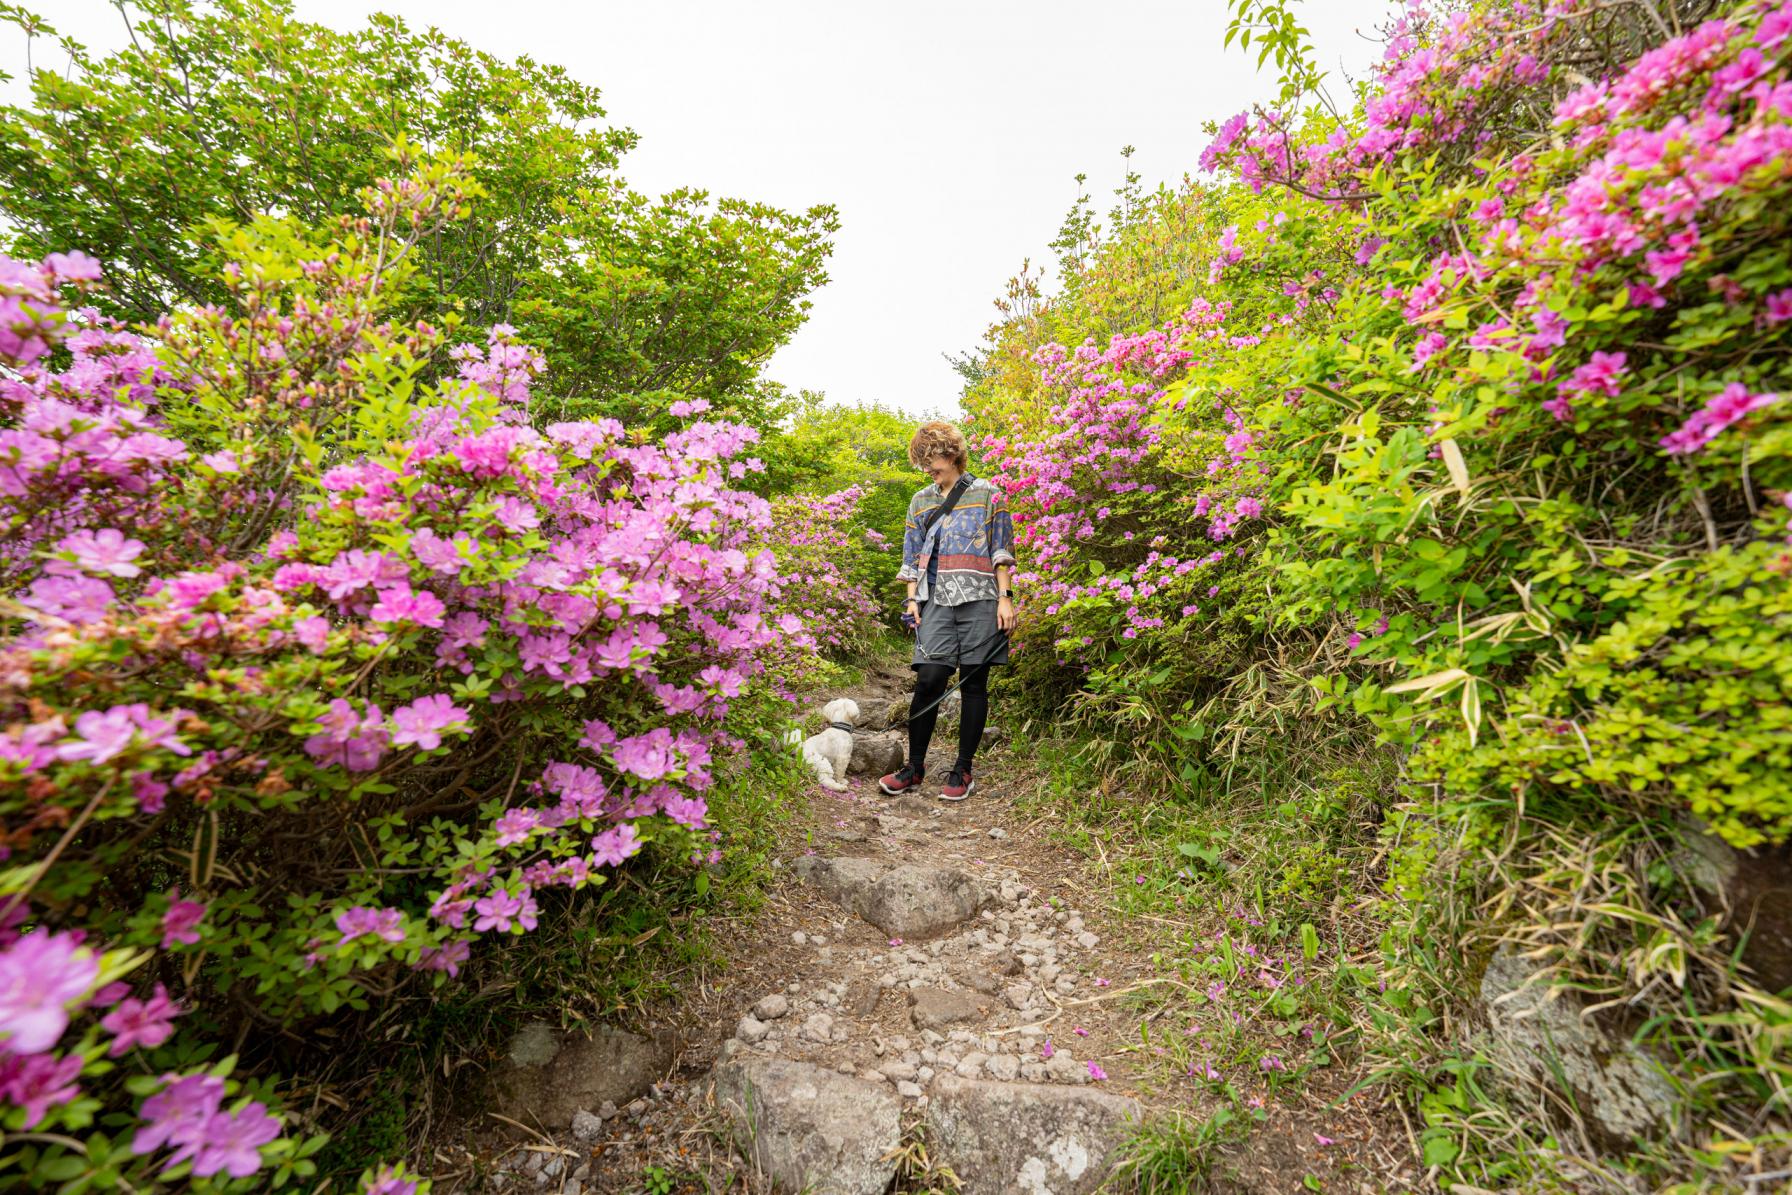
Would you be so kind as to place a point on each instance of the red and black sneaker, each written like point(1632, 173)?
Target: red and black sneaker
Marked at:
point(905, 779)
point(959, 784)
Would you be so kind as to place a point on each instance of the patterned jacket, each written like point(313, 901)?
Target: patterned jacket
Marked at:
point(970, 542)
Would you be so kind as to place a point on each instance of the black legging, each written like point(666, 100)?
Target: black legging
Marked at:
point(931, 681)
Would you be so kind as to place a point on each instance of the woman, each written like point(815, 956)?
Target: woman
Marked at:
point(957, 560)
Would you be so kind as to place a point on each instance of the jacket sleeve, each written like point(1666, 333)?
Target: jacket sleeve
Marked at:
point(1001, 529)
point(911, 545)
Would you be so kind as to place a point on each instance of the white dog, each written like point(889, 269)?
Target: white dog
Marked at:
point(830, 751)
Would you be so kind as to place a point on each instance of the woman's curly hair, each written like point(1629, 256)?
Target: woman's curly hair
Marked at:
point(939, 439)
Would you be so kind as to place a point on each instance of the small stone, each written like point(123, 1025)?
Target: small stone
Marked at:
point(751, 1029)
point(1073, 925)
point(1033, 1072)
point(607, 1110)
point(818, 940)
point(1018, 995)
point(586, 1127)
point(898, 1069)
point(552, 1168)
point(847, 1068)
point(1064, 985)
point(1005, 1067)
point(1062, 1068)
point(819, 1028)
point(1087, 940)
point(574, 1186)
point(800, 938)
point(771, 1007)
point(998, 833)
point(1006, 964)
point(983, 982)
point(971, 1065)
point(908, 1090)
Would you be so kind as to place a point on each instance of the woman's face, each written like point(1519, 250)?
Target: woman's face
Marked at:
point(941, 469)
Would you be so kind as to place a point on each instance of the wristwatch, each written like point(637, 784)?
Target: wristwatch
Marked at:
point(1009, 594)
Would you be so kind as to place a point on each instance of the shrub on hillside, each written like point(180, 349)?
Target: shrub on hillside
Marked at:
point(1493, 405)
point(322, 667)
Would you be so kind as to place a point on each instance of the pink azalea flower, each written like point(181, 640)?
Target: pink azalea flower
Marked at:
point(146, 1023)
point(423, 721)
point(517, 825)
point(181, 922)
point(614, 845)
point(1095, 1071)
point(497, 911)
point(107, 550)
point(41, 974)
point(178, 1112)
point(39, 1082)
point(230, 1142)
point(447, 957)
point(385, 924)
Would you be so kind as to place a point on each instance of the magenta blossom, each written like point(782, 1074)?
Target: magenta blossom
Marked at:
point(385, 924)
point(146, 1023)
point(181, 922)
point(423, 721)
point(39, 1082)
point(41, 974)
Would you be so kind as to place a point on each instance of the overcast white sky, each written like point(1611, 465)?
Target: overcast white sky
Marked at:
point(948, 134)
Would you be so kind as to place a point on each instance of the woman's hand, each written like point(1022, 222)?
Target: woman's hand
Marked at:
point(1006, 618)
point(912, 615)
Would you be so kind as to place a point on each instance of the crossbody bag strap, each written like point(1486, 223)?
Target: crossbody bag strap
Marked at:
point(945, 508)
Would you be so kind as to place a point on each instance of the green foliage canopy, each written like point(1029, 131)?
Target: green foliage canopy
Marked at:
point(222, 112)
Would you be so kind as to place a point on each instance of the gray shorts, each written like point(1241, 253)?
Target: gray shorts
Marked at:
point(964, 635)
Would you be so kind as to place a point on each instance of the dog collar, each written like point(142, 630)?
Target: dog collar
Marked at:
point(846, 726)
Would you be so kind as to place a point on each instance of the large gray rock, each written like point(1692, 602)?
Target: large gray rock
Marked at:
point(908, 901)
point(809, 1129)
point(1618, 1090)
point(876, 756)
point(546, 1076)
point(935, 1008)
point(1026, 1138)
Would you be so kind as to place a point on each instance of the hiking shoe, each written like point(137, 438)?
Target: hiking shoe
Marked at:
point(905, 779)
point(958, 785)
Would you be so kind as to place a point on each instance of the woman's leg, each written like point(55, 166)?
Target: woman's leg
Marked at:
point(974, 713)
point(930, 682)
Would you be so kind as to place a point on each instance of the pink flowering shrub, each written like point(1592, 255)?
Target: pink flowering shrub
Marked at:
point(1480, 402)
point(825, 567)
point(324, 671)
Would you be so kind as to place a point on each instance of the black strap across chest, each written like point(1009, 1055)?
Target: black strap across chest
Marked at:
point(945, 508)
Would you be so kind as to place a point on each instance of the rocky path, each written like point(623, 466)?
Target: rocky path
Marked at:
point(923, 1002)
point(930, 999)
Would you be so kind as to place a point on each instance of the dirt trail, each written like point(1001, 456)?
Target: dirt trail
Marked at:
point(931, 998)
